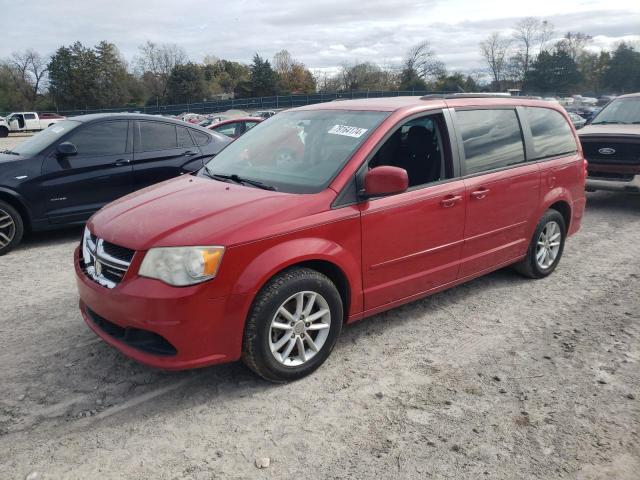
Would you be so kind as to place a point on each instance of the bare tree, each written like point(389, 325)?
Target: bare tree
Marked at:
point(421, 60)
point(29, 70)
point(282, 62)
point(155, 63)
point(494, 50)
point(574, 44)
point(530, 35)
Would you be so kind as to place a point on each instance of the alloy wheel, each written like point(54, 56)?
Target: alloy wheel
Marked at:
point(300, 328)
point(7, 228)
point(548, 245)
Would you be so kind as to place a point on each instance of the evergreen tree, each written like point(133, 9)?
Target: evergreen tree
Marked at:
point(186, 84)
point(623, 72)
point(263, 78)
point(555, 73)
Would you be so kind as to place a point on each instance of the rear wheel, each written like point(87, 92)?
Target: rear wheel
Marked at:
point(293, 325)
point(4, 132)
point(11, 227)
point(546, 247)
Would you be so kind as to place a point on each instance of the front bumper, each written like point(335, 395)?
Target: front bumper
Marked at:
point(614, 185)
point(196, 330)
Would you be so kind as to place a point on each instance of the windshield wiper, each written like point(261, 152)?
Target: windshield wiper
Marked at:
point(608, 122)
point(10, 152)
point(238, 179)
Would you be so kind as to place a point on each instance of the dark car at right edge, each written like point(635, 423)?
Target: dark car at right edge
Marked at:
point(611, 144)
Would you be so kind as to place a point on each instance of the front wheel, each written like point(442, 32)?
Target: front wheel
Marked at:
point(546, 247)
point(11, 227)
point(4, 132)
point(293, 326)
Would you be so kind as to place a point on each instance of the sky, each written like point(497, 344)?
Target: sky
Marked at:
point(321, 33)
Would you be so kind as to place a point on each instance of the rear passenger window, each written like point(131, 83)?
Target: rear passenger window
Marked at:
point(157, 136)
point(551, 133)
point(492, 139)
point(200, 137)
point(184, 139)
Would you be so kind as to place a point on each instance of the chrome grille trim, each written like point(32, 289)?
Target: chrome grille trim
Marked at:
point(110, 271)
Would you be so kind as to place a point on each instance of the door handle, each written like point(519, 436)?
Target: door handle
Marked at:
point(480, 194)
point(121, 162)
point(450, 200)
point(190, 153)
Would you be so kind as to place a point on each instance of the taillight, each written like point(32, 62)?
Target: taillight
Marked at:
point(585, 168)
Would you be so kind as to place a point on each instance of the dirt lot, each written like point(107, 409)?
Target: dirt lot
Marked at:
point(500, 378)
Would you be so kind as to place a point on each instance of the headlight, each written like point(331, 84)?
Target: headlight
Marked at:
point(181, 266)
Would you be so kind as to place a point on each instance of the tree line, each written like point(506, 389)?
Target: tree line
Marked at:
point(83, 77)
point(527, 59)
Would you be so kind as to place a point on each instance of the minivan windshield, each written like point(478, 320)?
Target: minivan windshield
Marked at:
point(297, 151)
point(46, 137)
point(622, 110)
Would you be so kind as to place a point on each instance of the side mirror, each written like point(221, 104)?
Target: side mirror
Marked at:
point(66, 149)
point(385, 180)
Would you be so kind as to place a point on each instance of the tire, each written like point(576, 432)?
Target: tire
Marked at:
point(537, 264)
point(283, 292)
point(11, 228)
point(4, 132)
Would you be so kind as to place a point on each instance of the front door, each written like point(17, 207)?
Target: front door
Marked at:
point(74, 187)
point(411, 242)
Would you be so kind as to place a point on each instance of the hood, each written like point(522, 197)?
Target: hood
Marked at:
point(612, 129)
point(191, 210)
point(8, 157)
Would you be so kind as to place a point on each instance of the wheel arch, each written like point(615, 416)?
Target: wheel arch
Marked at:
point(563, 207)
point(558, 199)
point(16, 202)
point(321, 255)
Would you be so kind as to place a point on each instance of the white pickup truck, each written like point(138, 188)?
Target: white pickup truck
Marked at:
point(27, 122)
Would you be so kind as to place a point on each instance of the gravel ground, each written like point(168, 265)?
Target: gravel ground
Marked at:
point(13, 139)
point(499, 378)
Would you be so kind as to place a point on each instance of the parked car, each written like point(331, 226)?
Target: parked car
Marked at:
point(264, 114)
point(62, 175)
point(393, 199)
point(234, 127)
point(611, 143)
point(577, 121)
point(27, 122)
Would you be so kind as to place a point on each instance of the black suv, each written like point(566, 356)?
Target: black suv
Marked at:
point(64, 174)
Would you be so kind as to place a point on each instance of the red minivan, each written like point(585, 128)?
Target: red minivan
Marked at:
point(264, 258)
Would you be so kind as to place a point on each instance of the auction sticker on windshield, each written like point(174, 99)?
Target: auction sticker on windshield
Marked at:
point(347, 131)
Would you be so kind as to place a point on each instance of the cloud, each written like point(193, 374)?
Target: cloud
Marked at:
point(323, 33)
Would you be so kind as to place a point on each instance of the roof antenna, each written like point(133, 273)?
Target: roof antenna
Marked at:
point(462, 90)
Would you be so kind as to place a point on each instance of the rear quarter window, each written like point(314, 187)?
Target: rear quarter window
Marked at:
point(491, 138)
point(552, 136)
point(200, 137)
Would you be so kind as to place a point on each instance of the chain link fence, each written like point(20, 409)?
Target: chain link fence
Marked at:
point(253, 103)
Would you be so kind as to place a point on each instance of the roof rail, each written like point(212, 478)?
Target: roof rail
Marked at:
point(467, 95)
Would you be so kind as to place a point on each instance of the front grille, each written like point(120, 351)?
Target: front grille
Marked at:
point(103, 262)
point(616, 150)
point(144, 340)
point(117, 251)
